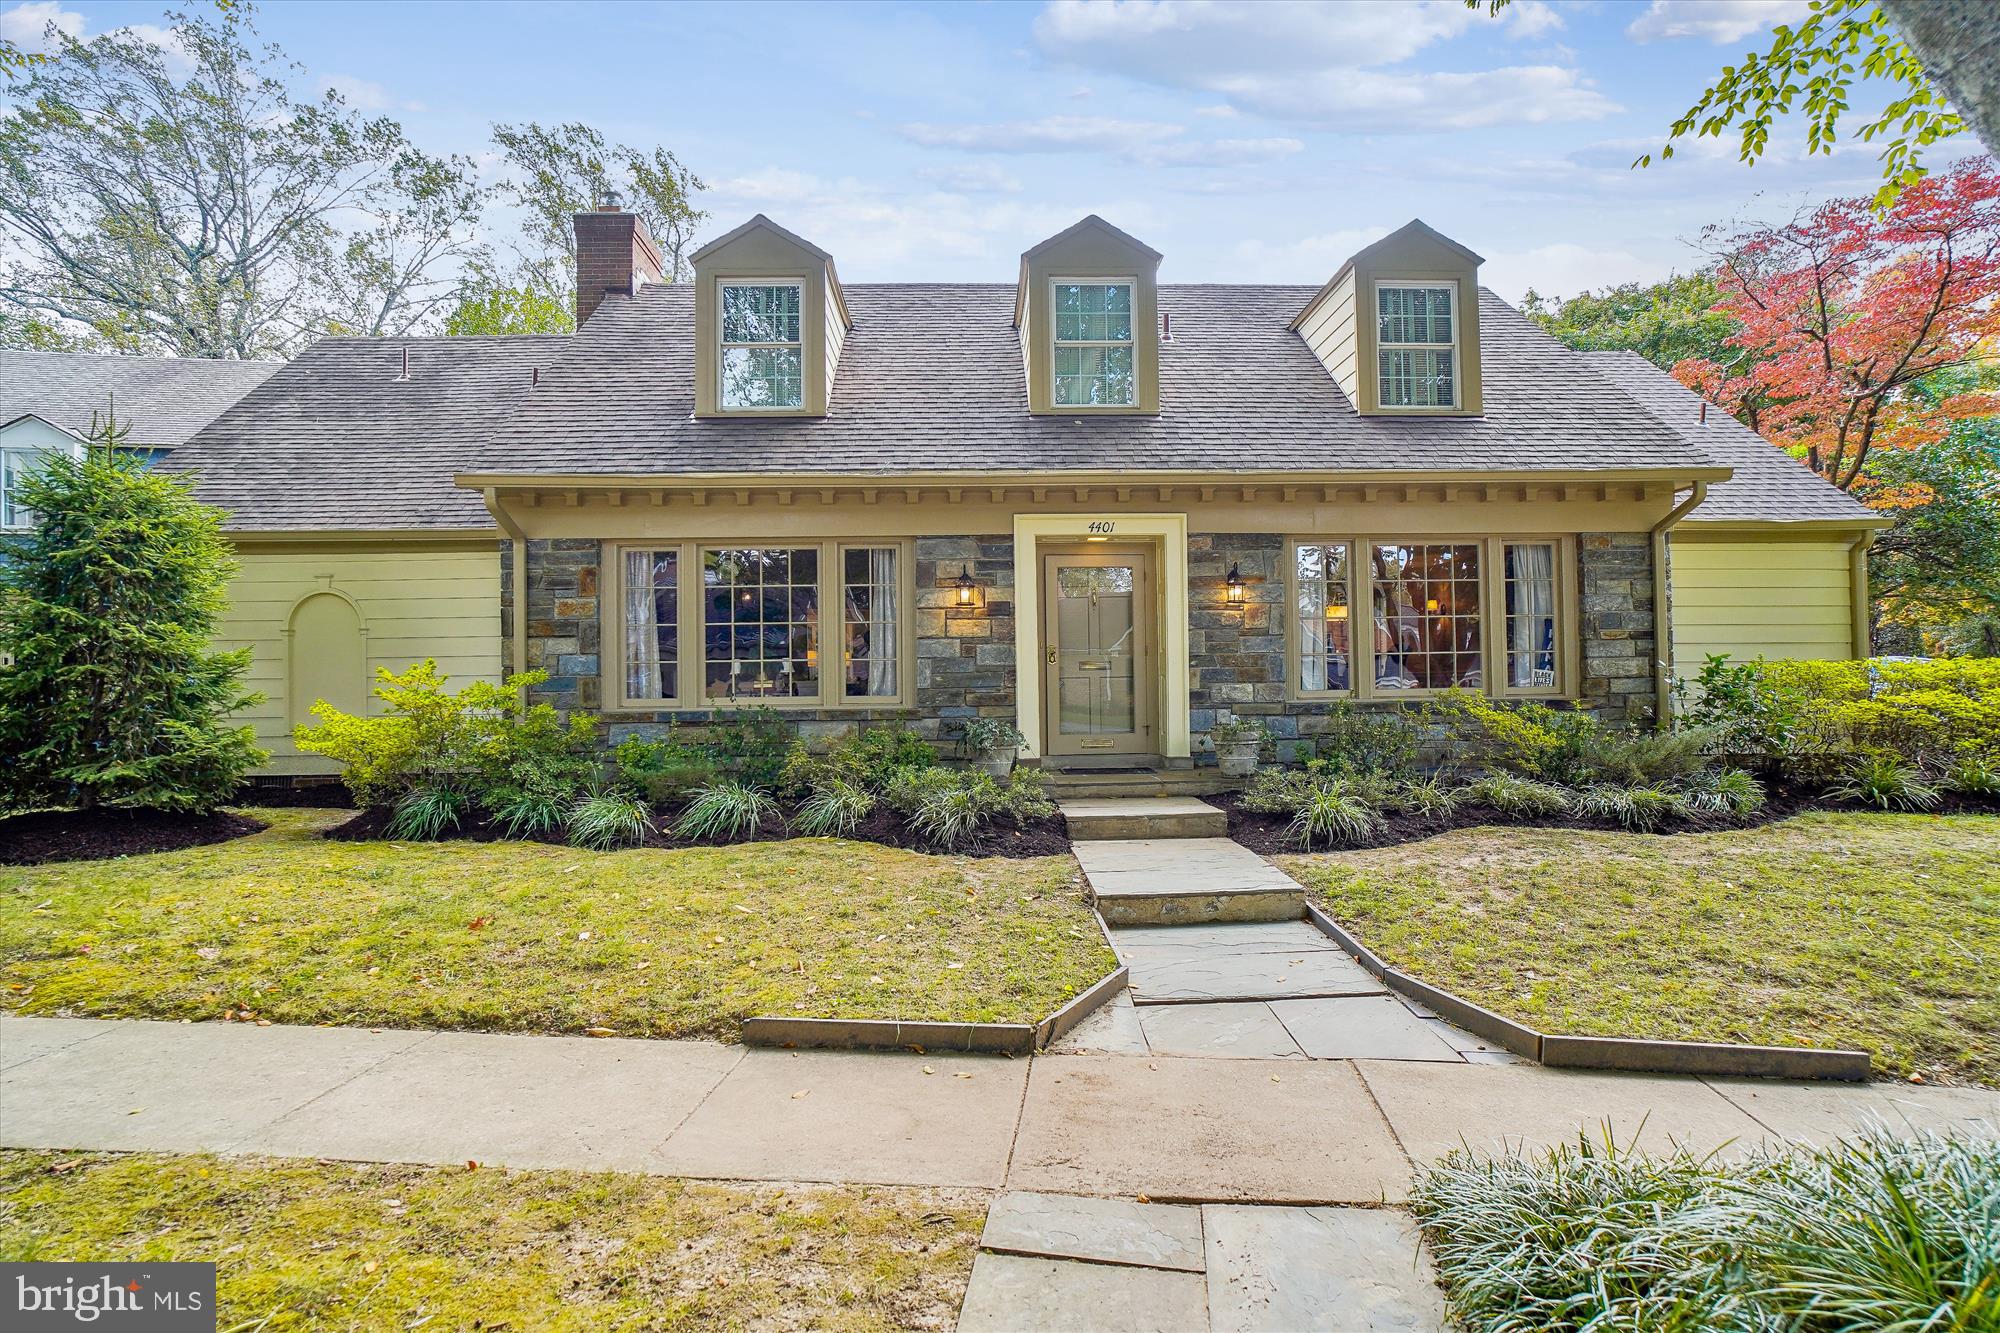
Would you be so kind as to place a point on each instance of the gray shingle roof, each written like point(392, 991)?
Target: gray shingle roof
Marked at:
point(336, 439)
point(166, 400)
point(931, 381)
point(1768, 486)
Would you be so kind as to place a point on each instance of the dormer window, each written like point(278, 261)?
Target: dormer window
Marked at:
point(1416, 344)
point(1094, 362)
point(763, 346)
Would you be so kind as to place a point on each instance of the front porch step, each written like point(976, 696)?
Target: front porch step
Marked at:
point(1185, 881)
point(1120, 817)
point(1109, 784)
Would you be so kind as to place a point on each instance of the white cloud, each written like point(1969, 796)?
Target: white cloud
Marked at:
point(936, 235)
point(365, 96)
point(1305, 259)
point(1716, 21)
point(1562, 268)
point(27, 25)
point(1147, 142)
point(973, 178)
point(1321, 64)
point(1385, 101)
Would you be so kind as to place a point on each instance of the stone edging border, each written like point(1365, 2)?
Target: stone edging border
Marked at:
point(1633, 1054)
point(890, 1034)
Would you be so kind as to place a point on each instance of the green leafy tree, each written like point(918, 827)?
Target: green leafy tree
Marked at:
point(107, 607)
point(1665, 322)
point(486, 308)
point(206, 208)
point(556, 172)
point(1935, 575)
point(1815, 64)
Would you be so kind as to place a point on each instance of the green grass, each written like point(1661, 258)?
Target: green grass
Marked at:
point(309, 1245)
point(1887, 1232)
point(529, 938)
point(1856, 930)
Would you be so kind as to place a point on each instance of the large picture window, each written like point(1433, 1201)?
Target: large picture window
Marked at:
point(1093, 345)
point(763, 351)
point(760, 622)
point(1381, 618)
point(1416, 346)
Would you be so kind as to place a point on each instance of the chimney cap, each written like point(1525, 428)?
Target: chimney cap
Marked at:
point(610, 201)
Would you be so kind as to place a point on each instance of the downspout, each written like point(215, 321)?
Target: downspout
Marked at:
point(518, 542)
point(1663, 623)
point(1861, 628)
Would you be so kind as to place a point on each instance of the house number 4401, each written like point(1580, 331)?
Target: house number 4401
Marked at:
point(1104, 525)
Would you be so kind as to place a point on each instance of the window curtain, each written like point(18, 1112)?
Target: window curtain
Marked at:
point(882, 639)
point(642, 628)
point(1533, 631)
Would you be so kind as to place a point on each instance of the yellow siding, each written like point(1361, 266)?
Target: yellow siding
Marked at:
point(1760, 599)
point(410, 604)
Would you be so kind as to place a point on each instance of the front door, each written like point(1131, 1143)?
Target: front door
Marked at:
point(1097, 641)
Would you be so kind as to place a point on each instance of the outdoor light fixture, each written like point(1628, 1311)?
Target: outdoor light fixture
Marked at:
point(1235, 584)
point(966, 585)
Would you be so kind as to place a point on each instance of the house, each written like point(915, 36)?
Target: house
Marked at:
point(50, 402)
point(1107, 508)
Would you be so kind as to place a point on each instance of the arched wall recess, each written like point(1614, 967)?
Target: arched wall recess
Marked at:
point(326, 654)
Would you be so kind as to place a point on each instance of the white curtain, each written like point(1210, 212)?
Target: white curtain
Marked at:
point(642, 628)
point(1532, 635)
point(882, 645)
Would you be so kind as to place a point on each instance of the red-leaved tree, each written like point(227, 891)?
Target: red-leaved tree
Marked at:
point(1843, 309)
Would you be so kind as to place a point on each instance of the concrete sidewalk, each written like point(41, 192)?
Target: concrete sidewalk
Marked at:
point(1272, 1131)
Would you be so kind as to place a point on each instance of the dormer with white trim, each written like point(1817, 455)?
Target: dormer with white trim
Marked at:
point(1398, 326)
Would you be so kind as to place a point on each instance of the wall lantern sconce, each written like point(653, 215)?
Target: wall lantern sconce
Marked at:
point(1234, 584)
point(966, 585)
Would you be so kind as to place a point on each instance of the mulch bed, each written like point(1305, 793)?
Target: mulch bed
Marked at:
point(1265, 834)
point(98, 835)
point(294, 796)
point(1044, 837)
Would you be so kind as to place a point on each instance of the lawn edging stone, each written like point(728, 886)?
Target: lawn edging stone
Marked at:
point(1630, 1054)
point(889, 1034)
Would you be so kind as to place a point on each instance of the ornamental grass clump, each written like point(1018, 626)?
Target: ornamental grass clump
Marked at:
point(1884, 1231)
point(1885, 781)
point(1332, 814)
point(606, 820)
point(1521, 798)
point(1729, 791)
point(833, 810)
point(1635, 809)
point(725, 812)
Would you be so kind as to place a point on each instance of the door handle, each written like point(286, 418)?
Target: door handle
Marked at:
point(1052, 657)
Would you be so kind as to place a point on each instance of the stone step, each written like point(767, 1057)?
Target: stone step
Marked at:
point(1093, 784)
point(1185, 881)
point(1120, 817)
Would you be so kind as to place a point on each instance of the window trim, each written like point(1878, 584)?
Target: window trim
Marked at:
point(689, 673)
point(1130, 282)
point(1492, 616)
point(1455, 346)
point(723, 345)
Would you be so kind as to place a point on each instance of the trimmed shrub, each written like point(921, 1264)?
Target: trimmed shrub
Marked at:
point(1353, 739)
point(664, 771)
point(752, 745)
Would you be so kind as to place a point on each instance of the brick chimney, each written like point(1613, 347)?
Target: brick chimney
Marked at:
point(614, 253)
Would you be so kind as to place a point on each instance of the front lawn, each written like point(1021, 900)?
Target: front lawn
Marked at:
point(295, 928)
point(1828, 929)
point(336, 1246)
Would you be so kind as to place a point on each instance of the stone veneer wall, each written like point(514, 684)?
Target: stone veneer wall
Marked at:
point(1237, 653)
point(964, 655)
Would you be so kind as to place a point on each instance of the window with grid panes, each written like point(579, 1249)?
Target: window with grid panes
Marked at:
point(1426, 608)
point(760, 622)
point(1416, 349)
point(1094, 357)
point(763, 361)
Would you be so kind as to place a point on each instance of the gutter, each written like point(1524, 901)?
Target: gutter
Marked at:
point(517, 541)
point(1663, 621)
point(1861, 629)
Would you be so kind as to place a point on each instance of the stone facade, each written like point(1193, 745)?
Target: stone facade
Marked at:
point(965, 654)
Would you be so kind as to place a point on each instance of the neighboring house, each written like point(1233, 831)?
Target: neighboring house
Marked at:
point(1103, 507)
point(51, 401)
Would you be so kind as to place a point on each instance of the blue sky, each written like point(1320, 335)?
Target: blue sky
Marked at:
point(1247, 143)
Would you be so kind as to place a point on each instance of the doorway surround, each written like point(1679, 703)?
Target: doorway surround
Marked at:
point(1166, 534)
